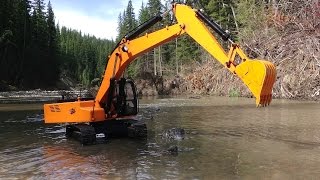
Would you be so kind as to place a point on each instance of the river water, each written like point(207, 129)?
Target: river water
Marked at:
point(225, 138)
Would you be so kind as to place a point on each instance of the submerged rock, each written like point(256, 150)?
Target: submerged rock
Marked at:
point(173, 149)
point(173, 134)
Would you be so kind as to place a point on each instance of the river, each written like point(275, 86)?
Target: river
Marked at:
point(225, 138)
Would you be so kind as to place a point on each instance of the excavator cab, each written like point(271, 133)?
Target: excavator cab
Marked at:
point(123, 98)
point(121, 106)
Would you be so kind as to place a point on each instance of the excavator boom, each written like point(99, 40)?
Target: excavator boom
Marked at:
point(258, 75)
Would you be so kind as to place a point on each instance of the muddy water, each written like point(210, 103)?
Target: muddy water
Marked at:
point(225, 138)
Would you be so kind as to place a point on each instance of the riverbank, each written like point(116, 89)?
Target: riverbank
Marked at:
point(208, 79)
point(39, 95)
point(214, 80)
point(198, 84)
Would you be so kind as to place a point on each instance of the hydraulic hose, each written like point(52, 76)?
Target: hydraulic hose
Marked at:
point(146, 25)
point(225, 36)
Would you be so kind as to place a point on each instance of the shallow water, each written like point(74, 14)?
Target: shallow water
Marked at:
point(225, 138)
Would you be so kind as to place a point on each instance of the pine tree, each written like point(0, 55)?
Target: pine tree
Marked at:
point(38, 53)
point(143, 61)
point(8, 46)
point(221, 12)
point(130, 19)
point(52, 45)
point(143, 14)
point(154, 7)
point(5, 13)
point(24, 37)
point(39, 23)
point(127, 22)
point(120, 28)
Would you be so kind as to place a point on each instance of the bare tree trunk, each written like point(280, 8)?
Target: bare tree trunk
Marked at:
point(177, 64)
point(160, 63)
point(154, 62)
point(275, 7)
point(234, 17)
point(147, 62)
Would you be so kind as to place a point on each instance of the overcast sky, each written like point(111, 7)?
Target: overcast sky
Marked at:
point(96, 17)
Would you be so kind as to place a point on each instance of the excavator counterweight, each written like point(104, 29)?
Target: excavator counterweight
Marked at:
point(116, 100)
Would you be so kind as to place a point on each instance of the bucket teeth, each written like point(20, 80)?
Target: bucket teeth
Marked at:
point(266, 90)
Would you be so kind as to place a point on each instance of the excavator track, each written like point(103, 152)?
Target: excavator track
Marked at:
point(99, 132)
point(137, 130)
point(122, 128)
point(83, 133)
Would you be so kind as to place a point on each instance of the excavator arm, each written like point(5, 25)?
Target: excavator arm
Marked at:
point(258, 75)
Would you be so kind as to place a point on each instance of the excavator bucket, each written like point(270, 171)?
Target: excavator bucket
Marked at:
point(259, 76)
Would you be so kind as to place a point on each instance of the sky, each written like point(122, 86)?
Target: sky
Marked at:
point(94, 17)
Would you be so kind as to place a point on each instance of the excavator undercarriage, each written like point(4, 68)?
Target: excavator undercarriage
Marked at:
point(122, 102)
point(100, 132)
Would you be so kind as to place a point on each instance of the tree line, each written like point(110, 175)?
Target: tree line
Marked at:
point(35, 52)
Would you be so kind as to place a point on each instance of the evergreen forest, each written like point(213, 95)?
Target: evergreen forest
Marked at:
point(35, 52)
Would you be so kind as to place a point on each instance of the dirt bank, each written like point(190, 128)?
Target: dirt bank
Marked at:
point(298, 78)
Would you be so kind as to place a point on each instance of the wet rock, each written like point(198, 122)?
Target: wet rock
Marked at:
point(194, 97)
point(173, 134)
point(173, 149)
point(192, 132)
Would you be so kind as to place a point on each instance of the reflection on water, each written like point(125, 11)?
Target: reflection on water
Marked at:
point(223, 138)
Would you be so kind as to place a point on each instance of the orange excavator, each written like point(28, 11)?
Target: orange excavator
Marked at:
point(112, 111)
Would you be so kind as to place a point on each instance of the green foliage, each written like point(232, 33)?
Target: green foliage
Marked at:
point(250, 15)
point(143, 14)
point(221, 12)
point(126, 21)
point(52, 42)
point(25, 60)
point(84, 56)
point(121, 30)
point(34, 53)
point(154, 7)
point(39, 24)
point(234, 92)
point(129, 19)
point(187, 49)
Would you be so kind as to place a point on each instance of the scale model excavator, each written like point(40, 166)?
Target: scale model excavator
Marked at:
point(112, 112)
